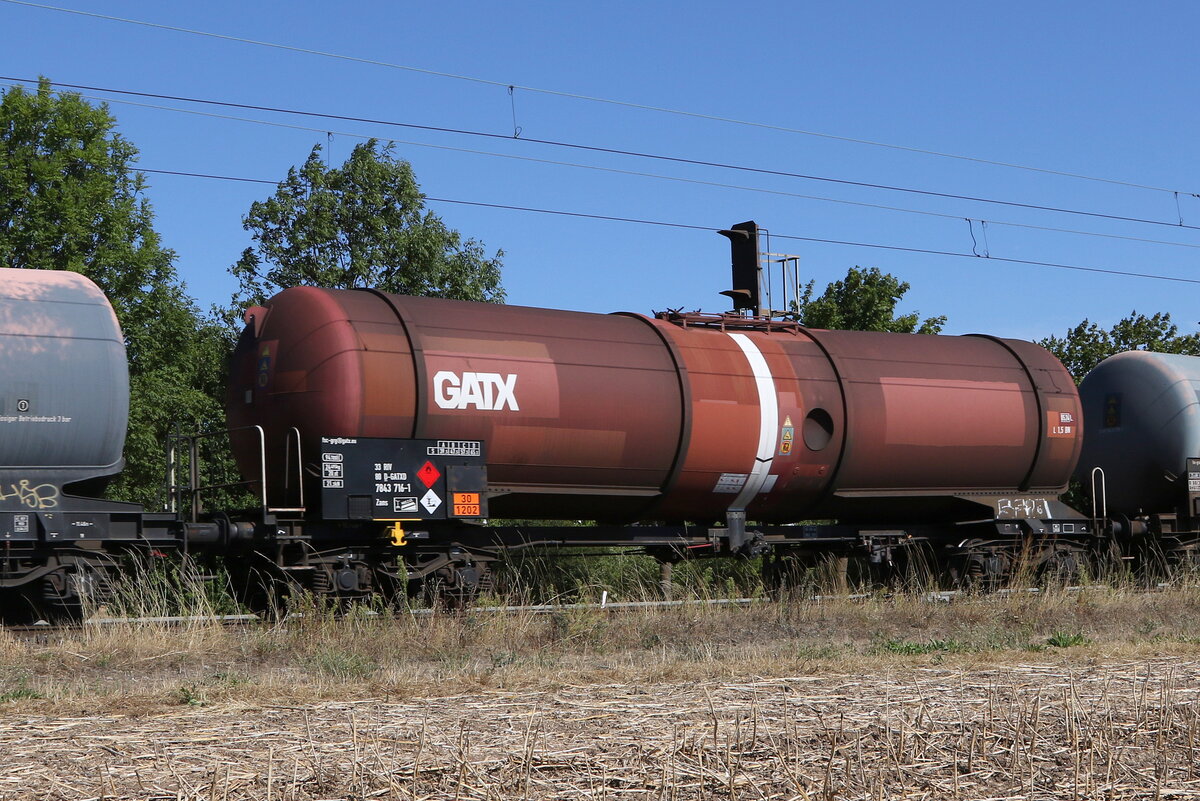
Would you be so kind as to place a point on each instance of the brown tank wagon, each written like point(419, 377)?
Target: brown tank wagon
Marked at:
point(676, 417)
point(398, 432)
point(388, 437)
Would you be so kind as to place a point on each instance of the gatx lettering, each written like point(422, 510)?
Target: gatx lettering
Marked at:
point(489, 392)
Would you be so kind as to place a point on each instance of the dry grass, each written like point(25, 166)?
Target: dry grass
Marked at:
point(1056, 695)
point(1117, 730)
point(320, 656)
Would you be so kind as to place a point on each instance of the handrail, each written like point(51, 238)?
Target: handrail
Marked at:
point(727, 320)
point(293, 460)
point(194, 488)
point(172, 500)
point(299, 467)
point(1103, 487)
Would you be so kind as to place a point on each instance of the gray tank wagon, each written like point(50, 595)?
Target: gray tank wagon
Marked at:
point(64, 401)
point(1142, 414)
point(64, 409)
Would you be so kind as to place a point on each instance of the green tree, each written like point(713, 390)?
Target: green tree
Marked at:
point(363, 224)
point(1087, 344)
point(865, 300)
point(71, 200)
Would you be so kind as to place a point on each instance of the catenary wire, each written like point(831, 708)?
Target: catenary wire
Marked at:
point(656, 176)
point(664, 224)
point(630, 153)
point(595, 99)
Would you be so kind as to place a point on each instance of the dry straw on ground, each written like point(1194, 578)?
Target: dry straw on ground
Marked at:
point(1064, 695)
point(1120, 730)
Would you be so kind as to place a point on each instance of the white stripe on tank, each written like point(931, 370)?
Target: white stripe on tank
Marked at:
point(768, 421)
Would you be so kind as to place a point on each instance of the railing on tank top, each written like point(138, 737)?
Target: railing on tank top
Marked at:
point(190, 495)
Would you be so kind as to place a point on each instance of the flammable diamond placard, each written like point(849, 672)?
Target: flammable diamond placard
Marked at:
point(429, 474)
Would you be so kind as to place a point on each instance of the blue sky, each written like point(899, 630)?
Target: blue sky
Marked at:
point(1099, 89)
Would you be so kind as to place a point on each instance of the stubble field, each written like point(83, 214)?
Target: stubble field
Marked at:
point(1092, 694)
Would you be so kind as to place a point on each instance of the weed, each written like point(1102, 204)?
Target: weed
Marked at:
point(819, 652)
point(1064, 639)
point(578, 625)
point(157, 588)
point(18, 688)
point(342, 664)
point(503, 659)
point(223, 678)
point(910, 648)
point(190, 695)
point(566, 575)
point(20, 691)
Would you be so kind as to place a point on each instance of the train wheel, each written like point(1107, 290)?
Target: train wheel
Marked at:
point(979, 568)
point(1062, 566)
point(79, 588)
point(459, 583)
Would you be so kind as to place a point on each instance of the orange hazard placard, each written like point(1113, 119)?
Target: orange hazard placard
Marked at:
point(466, 504)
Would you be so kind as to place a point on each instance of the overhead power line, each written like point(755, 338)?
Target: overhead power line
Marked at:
point(621, 152)
point(664, 224)
point(655, 176)
point(595, 99)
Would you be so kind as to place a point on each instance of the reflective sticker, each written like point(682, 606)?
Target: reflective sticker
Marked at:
point(264, 365)
point(731, 483)
point(1112, 410)
point(1060, 424)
